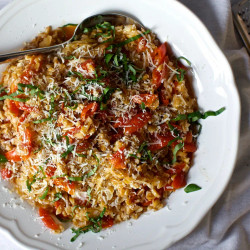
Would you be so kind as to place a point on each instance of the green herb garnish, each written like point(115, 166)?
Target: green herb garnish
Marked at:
point(184, 58)
point(131, 39)
point(44, 195)
point(3, 159)
point(95, 226)
point(176, 149)
point(195, 116)
point(143, 106)
point(191, 188)
point(57, 196)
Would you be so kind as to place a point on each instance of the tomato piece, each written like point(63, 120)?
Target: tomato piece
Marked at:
point(23, 116)
point(82, 146)
point(80, 202)
point(73, 131)
point(67, 186)
point(163, 97)
point(68, 31)
point(24, 107)
point(13, 88)
point(47, 219)
point(13, 156)
point(146, 203)
point(89, 110)
point(159, 54)
point(190, 147)
point(141, 45)
point(147, 99)
point(160, 141)
point(13, 108)
point(179, 180)
point(177, 168)
point(33, 68)
point(88, 66)
point(107, 222)
point(189, 137)
point(158, 75)
point(6, 173)
point(50, 171)
point(118, 159)
point(27, 138)
point(58, 203)
point(135, 123)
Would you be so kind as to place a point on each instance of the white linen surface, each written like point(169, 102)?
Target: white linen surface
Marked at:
point(227, 224)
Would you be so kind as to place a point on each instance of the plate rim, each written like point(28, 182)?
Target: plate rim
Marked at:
point(23, 243)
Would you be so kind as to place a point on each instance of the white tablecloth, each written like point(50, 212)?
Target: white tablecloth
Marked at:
point(227, 225)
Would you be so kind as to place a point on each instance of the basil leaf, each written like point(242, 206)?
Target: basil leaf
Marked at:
point(131, 68)
point(13, 97)
point(69, 150)
point(195, 116)
point(58, 196)
point(81, 155)
point(176, 149)
point(95, 226)
point(133, 155)
point(3, 159)
point(69, 24)
point(131, 39)
point(78, 178)
point(42, 120)
point(75, 73)
point(41, 169)
point(89, 193)
point(184, 58)
point(108, 57)
point(191, 188)
point(143, 106)
point(44, 194)
point(69, 57)
point(180, 77)
point(92, 172)
point(198, 115)
point(116, 60)
point(175, 139)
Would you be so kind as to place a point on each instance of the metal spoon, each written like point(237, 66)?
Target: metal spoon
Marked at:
point(113, 18)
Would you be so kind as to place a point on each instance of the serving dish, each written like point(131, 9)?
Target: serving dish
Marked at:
point(214, 87)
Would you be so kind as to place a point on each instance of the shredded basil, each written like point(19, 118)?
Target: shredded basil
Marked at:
point(34, 90)
point(131, 39)
point(78, 178)
point(180, 76)
point(75, 73)
point(95, 226)
point(69, 57)
point(70, 148)
point(57, 196)
point(143, 106)
point(89, 192)
point(3, 159)
point(13, 97)
point(184, 58)
point(145, 153)
point(195, 116)
point(108, 57)
point(176, 149)
point(69, 24)
point(191, 188)
point(42, 120)
point(44, 195)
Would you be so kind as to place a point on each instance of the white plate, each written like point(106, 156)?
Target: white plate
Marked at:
point(214, 86)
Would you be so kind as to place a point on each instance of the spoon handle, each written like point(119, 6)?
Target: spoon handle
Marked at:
point(4, 57)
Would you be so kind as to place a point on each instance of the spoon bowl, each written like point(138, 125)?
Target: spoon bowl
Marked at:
point(113, 18)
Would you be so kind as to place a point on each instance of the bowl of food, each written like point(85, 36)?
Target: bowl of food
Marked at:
point(106, 138)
